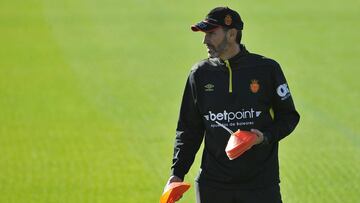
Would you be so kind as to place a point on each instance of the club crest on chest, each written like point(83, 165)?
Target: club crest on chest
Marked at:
point(254, 86)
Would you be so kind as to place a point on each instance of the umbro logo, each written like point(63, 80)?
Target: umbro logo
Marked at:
point(209, 87)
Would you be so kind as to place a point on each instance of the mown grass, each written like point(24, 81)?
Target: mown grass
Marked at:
point(90, 92)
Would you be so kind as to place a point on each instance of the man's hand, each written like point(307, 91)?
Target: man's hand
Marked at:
point(171, 180)
point(260, 136)
point(174, 190)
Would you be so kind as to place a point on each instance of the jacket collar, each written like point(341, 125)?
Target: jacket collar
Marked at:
point(243, 51)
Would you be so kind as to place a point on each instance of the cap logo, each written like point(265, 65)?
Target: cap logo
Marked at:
point(228, 20)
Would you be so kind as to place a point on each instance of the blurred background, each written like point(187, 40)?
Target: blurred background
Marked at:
point(90, 94)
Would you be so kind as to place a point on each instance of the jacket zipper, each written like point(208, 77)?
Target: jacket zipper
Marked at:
point(230, 75)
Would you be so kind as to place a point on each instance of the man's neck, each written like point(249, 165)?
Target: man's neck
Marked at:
point(231, 51)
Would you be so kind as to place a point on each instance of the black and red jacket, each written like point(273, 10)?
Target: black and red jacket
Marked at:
point(247, 91)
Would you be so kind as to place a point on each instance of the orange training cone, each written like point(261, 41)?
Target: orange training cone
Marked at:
point(174, 191)
point(239, 142)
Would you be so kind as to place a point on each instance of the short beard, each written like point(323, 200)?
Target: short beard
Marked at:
point(221, 48)
point(223, 45)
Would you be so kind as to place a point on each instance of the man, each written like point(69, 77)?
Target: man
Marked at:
point(240, 90)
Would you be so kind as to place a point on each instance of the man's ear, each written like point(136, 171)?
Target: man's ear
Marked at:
point(231, 34)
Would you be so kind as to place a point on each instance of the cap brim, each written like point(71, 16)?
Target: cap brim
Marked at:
point(204, 26)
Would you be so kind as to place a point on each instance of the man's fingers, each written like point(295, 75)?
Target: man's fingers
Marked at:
point(259, 134)
point(256, 131)
point(172, 179)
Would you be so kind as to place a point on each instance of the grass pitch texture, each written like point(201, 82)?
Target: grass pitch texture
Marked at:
point(90, 94)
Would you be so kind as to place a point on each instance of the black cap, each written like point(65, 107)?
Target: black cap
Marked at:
point(219, 17)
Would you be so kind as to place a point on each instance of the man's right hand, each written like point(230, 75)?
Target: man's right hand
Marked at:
point(173, 179)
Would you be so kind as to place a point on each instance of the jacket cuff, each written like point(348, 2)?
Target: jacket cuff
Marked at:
point(177, 172)
point(268, 138)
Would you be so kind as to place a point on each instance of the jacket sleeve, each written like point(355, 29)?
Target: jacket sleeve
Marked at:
point(189, 132)
point(284, 113)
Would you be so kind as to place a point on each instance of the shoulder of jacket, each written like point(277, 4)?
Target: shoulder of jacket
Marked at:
point(256, 58)
point(205, 64)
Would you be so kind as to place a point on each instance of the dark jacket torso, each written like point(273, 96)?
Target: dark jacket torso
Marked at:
point(248, 91)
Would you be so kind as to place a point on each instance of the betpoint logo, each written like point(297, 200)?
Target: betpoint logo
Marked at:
point(230, 116)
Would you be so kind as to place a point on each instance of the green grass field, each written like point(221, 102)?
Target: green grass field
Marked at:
point(90, 94)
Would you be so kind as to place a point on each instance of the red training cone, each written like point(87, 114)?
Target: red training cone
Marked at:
point(239, 143)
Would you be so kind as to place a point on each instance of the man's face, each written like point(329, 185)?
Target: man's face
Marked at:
point(216, 42)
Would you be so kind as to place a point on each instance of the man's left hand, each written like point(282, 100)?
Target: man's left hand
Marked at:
point(260, 136)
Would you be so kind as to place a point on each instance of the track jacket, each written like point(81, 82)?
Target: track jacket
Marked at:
point(247, 91)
